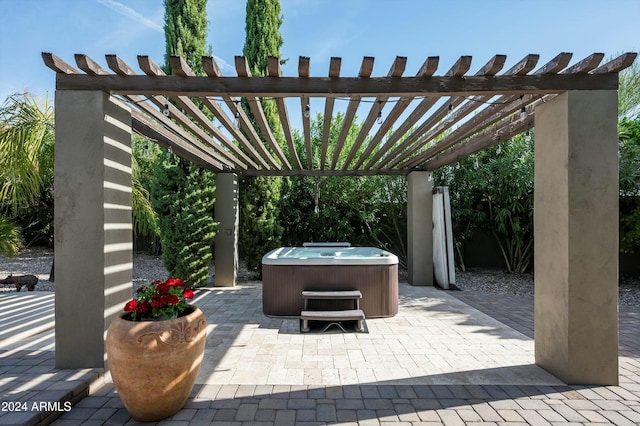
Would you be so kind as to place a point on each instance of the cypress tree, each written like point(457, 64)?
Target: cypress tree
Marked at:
point(183, 194)
point(260, 230)
point(185, 31)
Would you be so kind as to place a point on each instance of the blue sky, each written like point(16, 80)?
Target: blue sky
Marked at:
point(319, 29)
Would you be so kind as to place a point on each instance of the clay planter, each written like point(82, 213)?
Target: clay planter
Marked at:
point(154, 364)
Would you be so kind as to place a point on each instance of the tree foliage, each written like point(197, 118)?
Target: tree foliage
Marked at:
point(260, 230)
point(144, 158)
point(629, 92)
point(183, 193)
point(183, 196)
point(629, 159)
point(26, 170)
point(26, 151)
point(185, 30)
point(493, 189)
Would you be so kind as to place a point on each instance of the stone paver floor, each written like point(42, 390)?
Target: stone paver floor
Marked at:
point(446, 358)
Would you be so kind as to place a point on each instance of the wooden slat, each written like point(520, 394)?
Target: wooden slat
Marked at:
point(521, 68)
point(325, 172)
point(264, 157)
point(206, 147)
point(88, 65)
point(435, 124)
point(617, 64)
point(273, 69)
point(180, 67)
point(242, 68)
point(119, 66)
point(365, 72)
point(158, 134)
point(505, 130)
point(305, 111)
point(490, 69)
point(427, 69)
point(501, 107)
point(556, 64)
point(334, 67)
point(585, 65)
point(397, 68)
point(304, 66)
point(334, 72)
point(57, 64)
point(151, 68)
point(204, 143)
point(460, 68)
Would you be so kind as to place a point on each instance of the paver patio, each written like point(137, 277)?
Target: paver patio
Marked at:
point(446, 358)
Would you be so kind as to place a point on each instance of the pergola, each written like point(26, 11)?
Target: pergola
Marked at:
point(425, 122)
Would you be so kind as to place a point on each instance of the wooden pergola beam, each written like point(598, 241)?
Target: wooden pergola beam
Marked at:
point(160, 135)
point(375, 112)
point(335, 88)
point(180, 67)
point(305, 110)
point(500, 107)
point(203, 141)
point(273, 69)
point(365, 72)
point(191, 110)
point(457, 70)
point(213, 72)
point(491, 68)
point(334, 73)
point(503, 131)
point(255, 104)
point(427, 69)
point(494, 99)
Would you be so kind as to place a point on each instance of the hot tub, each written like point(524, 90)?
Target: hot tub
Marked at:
point(288, 271)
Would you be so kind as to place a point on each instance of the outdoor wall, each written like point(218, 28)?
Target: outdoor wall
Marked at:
point(420, 228)
point(93, 231)
point(576, 237)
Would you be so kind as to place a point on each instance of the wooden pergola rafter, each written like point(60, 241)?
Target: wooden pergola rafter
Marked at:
point(473, 112)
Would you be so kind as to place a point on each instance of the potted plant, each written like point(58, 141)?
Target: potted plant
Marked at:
point(155, 348)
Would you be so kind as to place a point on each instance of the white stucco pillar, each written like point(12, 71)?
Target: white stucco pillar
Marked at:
point(226, 242)
point(93, 227)
point(576, 237)
point(420, 228)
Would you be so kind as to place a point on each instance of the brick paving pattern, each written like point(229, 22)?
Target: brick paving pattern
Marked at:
point(447, 358)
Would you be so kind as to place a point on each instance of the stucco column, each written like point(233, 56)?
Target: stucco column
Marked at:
point(576, 237)
point(226, 242)
point(93, 232)
point(420, 228)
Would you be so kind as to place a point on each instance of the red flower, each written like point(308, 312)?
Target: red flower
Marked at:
point(156, 301)
point(188, 294)
point(143, 308)
point(162, 288)
point(131, 305)
point(171, 299)
point(175, 282)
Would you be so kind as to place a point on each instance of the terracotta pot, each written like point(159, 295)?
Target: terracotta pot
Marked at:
point(154, 364)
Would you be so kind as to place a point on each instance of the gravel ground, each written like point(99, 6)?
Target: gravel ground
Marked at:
point(37, 261)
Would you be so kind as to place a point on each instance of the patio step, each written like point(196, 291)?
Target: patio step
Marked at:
point(332, 316)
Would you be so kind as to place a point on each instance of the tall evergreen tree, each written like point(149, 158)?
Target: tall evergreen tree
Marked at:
point(183, 194)
point(185, 31)
point(260, 197)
